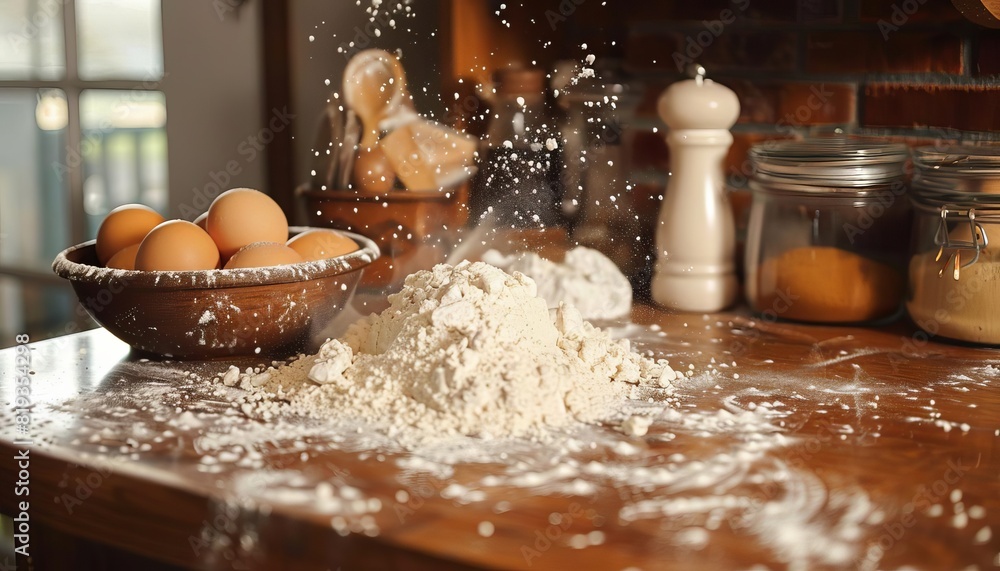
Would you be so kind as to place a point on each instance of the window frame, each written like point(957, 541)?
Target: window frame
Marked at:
point(72, 86)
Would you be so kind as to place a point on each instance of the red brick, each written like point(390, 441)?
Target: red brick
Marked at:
point(649, 150)
point(987, 55)
point(758, 101)
point(860, 52)
point(946, 137)
point(901, 12)
point(817, 103)
point(768, 102)
point(732, 49)
point(972, 108)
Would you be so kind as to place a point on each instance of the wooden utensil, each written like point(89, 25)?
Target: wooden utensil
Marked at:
point(372, 171)
point(427, 155)
point(375, 88)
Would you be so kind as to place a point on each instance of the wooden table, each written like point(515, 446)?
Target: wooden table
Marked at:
point(842, 448)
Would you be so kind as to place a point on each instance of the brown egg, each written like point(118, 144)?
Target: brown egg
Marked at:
point(322, 244)
point(200, 220)
point(372, 171)
point(177, 245)
point(262, 255)
point(124, 259)
point(242, 216)
point(123, 227)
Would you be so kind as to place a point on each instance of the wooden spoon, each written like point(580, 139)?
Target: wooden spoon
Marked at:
point(375, 88)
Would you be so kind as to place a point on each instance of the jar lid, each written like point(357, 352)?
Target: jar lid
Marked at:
point(960, 174)
point(828, 164)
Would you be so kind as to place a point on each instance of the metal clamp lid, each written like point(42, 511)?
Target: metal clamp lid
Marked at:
point(961, 173)
point(828, 164)
point(978, 241)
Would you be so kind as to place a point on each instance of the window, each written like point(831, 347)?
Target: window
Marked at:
point(82, 130)
point(85, 90)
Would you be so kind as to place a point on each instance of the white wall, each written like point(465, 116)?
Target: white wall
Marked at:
point(214, 92)
point(214, 83)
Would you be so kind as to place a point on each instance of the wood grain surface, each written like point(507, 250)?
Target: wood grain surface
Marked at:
point(838, 448)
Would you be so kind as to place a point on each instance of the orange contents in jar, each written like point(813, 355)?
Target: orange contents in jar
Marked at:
point(829, 285)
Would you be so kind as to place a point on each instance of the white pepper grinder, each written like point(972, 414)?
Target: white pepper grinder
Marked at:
point(695, 237)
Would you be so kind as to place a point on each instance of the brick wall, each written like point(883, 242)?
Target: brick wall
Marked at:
point(914, 71)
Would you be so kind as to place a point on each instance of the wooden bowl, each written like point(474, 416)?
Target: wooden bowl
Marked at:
point(216, 313)
point(413, 229)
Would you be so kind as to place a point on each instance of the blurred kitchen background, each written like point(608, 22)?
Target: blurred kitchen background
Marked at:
point(105, 102)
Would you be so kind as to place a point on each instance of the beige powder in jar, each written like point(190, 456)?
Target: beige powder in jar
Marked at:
point(964, 309)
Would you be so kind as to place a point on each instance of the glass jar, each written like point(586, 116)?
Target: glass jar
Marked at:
point(828, 234)
point(954, 271)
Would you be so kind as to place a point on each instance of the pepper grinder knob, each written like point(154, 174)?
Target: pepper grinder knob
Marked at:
point(695, 237)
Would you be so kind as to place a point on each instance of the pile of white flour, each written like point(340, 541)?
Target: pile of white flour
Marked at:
point(587, 279)
point(465, 350)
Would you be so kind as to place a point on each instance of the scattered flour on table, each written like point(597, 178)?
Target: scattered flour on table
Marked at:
point(587, 279)
point(461, 350)
point(409, 387)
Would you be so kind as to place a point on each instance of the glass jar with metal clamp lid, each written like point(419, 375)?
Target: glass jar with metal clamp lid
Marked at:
point(954, 270)
point(828, 234)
